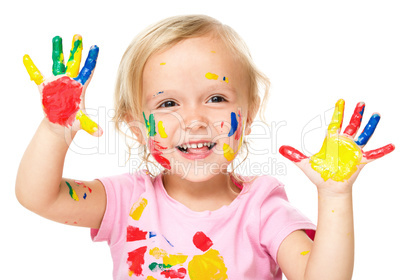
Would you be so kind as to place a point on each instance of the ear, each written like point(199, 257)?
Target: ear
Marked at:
point(138, 129)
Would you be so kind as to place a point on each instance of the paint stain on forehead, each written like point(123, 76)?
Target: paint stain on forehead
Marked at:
point(211, 76)
point(162, 63)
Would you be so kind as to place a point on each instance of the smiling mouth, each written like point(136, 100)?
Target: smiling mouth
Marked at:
point(196, 148)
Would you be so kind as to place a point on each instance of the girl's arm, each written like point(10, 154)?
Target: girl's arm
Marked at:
point(39, 185)
point(333, 170)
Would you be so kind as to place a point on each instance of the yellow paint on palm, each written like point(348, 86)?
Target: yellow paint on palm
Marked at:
point(228, 152)
point(32, 70)
point(337, 159)
point(161, 130)
point(337, 117)
point(73, 64)
point(210, 265)
point(86, 123)
point(211, 76)
point(138, 208)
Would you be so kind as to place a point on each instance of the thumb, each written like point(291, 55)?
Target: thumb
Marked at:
point(88, 125)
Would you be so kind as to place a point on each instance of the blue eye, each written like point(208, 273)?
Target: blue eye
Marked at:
point(217, 99)
point(168, 103)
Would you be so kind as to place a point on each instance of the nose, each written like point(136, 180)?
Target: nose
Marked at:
point(194, 119)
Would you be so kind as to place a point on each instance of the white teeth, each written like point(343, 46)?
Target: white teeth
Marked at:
point(208, 144)
point(184, 146)
point(194, 146)
point(200, 145)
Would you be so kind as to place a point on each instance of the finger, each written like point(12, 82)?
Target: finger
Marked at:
point(32, 70)
point(356, 120)
point(87, 124)
point(375, 154)
point(89, 65)
point(368, 130)
point(337, 117)
point(58, 57)
point(73, 63)
point(291, 153)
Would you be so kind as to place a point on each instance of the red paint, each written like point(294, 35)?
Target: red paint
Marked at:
point(239, 128)
point(155, 148)
point(374, 154)
point(135, 260)
point(201, 241)
point(221, 124)
point(134, 234)
point(81, 183)
point(356, 120)
point(291, 153)
point(171, 273)
point(61, 100)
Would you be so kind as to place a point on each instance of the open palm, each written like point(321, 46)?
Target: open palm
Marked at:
point(340, 158)
point(63, 94)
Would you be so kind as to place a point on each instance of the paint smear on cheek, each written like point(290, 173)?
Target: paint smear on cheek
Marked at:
point(161, 130)
point(233, 124)
point(155, 148)
point(135, 261)
point(61, 100)
point(239, 131)
point(228, 152)
point(211, 76)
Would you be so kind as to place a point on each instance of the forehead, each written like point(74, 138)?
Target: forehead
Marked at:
point(185, 66)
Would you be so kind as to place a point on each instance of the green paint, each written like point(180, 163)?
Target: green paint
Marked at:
point(77, 44)
point(57, 56)
point(72, 193)
point(154, 266)
point(150, 125)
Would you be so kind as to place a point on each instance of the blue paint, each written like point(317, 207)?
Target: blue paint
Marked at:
point(152, 234)
point(168, 241)
point(89, 66)
point(368, 130)
point(234, 124)
point(85, 195)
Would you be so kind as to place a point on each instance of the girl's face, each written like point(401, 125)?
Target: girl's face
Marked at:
point(195, 107)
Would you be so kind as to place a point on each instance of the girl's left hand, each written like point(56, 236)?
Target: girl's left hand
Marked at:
point(336, 166)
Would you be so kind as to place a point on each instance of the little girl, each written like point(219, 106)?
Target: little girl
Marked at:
point(188, 90)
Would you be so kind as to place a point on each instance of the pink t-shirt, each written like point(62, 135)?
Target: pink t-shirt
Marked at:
point(152, 236)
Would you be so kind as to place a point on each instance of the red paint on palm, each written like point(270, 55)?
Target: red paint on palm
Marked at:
point(134, 234)
point(201, 241)
point(171, 273)
point(291, 153)
point(61, 100)
point(374, 154)
point(135, 260)
point(155, 148)
point(356, 120)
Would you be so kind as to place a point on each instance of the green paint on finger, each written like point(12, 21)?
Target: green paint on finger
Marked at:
point(58, 57)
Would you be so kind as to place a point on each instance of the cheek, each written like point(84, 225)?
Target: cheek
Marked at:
point(232, 144)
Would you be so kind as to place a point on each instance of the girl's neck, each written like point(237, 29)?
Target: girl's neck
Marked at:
point(200, 196)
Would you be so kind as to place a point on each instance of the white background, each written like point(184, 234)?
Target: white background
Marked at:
point(314, 54)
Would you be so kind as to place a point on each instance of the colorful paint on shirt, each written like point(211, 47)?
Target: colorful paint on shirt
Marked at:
point(32, 70)
point(61, 100)
point(210, 265)
point(134, 234)
point(72, 192)
point(161, 130)
point(73, 63)
point(135, 261)
point(201, 241)
point(138, 208)
point(168, 259)
point(172, 274)
point(211, 76)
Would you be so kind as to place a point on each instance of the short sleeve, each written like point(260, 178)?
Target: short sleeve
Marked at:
point(278, 218)
point(119, 193)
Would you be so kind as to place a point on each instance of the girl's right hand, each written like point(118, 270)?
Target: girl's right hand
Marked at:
point(63, 94)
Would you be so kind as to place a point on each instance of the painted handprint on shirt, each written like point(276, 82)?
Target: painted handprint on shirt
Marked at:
point(340, 155)
point(63, 94)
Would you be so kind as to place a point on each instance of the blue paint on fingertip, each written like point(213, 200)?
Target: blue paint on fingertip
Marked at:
point(89, 65)
point(368, 130)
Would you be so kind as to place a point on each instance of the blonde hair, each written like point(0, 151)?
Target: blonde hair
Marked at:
point(164, 35)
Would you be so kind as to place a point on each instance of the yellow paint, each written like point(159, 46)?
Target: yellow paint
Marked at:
point(150, 278)
point(210, 265)
point(213, 51)
point(86, 123)
point(73, 63)
point(228, 152)
point(138, 208)
point(130, 273)
point(167, 258)
point(304, 253)
point(337, 117)
point(211, 76)
point(161, 130)
point(32, 70)
point(337, 159)
point(163, 63)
